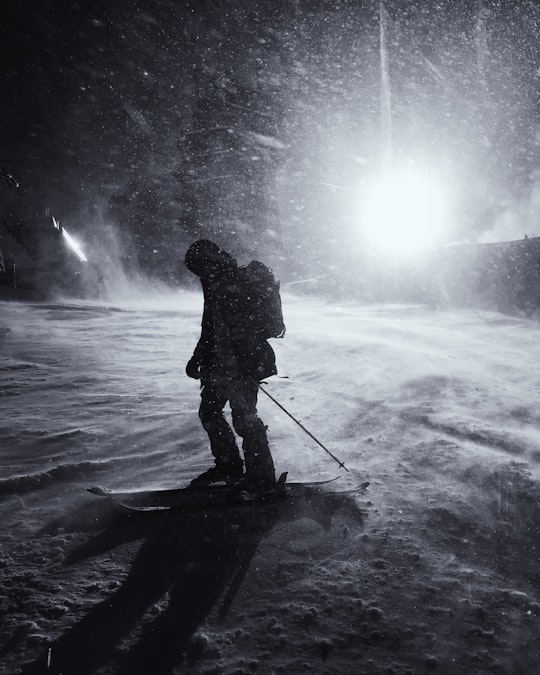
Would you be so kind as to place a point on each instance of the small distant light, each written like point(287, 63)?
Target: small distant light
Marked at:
point(73, 245)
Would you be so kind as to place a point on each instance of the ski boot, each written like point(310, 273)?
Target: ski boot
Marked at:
point(224, 472)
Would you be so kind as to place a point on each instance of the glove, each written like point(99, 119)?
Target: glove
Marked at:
point(193, 369)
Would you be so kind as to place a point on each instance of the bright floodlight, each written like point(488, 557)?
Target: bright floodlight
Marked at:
point(404, 213)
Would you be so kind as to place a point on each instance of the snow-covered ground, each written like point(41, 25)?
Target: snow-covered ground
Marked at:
point(434, 569)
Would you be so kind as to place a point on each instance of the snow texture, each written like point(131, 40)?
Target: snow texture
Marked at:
point(435, 569)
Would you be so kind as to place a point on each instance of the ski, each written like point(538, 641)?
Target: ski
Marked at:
point(102, 491)
point(199, 497)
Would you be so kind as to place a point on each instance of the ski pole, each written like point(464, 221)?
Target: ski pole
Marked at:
point(336, 459)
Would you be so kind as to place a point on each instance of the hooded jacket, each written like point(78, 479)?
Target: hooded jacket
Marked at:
point(229, 346)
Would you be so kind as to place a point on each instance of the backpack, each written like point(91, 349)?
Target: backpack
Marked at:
point(262, 299)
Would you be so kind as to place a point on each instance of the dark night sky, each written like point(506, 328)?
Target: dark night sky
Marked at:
point(168, 119)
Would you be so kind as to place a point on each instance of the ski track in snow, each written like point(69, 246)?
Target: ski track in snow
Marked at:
point(437, 409)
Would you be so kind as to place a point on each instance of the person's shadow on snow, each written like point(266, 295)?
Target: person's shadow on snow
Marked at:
point(198, 559)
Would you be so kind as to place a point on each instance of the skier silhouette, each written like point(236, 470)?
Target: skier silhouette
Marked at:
point(231, 357)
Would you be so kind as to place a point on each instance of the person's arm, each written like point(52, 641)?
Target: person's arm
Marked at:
point(203, 350)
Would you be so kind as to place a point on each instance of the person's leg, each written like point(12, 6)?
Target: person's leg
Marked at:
point(228, 463)
point(248, 425)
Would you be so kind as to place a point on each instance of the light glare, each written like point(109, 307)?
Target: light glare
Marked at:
point(404, 213)
point(73, 245)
